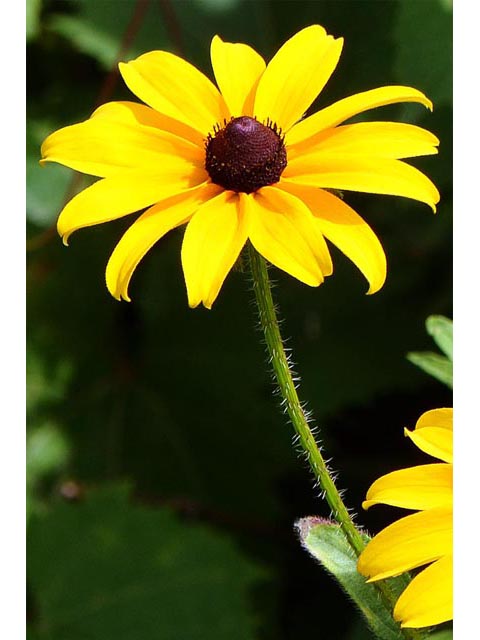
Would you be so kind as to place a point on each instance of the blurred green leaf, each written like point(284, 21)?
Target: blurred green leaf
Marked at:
point(109, 569)
point(88, 37)
point(441, 330)
point(434, 75)
point(434, 364)
point(45, 383)
point(47, 450)
point(46, 188)
point(47, 453)
point(32, 18)
point(218, 5)
point(98, 27)
point(326, 542)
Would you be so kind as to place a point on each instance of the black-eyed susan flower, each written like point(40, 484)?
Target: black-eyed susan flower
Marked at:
point(238, 163)
point(424, 538)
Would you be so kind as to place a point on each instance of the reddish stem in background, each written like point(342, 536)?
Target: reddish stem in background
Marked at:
point(172, 25)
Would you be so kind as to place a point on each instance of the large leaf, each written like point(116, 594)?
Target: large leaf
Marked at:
point(108, 569)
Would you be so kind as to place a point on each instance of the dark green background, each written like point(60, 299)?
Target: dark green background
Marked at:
point(162, 481)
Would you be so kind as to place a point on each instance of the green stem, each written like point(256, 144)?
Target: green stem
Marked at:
point(283, 375)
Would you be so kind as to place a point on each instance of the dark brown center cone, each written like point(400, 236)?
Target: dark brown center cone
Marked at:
point(245, 155)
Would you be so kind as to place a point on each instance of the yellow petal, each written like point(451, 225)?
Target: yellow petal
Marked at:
point(124, 193)
point(408, 543)
point(428, 599)
point(103, 147)
point(435, 441)
point(424, 487)
point(134, 113)
point(213, 240)
point(147, 230)
point(383, 139)
point(282, 229)
point(368, 175)
point(433, 433)
point(436, 418)
point(237, 68)
point(175, 88)
point(346, 230)
point(348, 107)
point(296, 75)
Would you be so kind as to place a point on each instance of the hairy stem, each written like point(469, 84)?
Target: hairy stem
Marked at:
point(283, 375)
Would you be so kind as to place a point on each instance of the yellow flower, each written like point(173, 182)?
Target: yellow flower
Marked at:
point(238, 163)
point(424, 537)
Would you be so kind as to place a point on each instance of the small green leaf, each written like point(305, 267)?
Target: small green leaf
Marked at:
point(326, 542)
point(441, 330)
point(434, 364)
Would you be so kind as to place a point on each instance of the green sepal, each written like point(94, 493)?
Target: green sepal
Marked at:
point(439, 367)
point(441, 330)
point(326, 542)
point(436, 365)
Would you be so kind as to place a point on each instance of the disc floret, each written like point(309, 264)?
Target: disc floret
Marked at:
point(244, 155)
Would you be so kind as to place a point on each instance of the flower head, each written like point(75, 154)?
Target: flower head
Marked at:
point(424, 537)
point(238, 163)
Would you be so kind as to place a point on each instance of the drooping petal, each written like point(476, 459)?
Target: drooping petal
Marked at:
point(124, 193)
point(410, 542)
point(383, 139)
point(213, 240)
point(296, 75)
point(340, 224)
point(103, 147)
point(135, 113)
point(433, 433)
point(368, 175)
point(348, 107)
point(237, 68)
point(428, 599)
point(147, 230)
point(435, 441)
point(424, 487)
point(282, 229)
point(175, 88)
